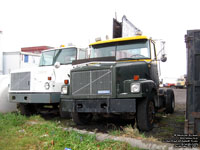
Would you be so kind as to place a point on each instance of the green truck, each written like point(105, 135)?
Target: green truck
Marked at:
point(119, 79)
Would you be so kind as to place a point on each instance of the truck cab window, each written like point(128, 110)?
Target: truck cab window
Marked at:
point(47, 58)
point(66, 55)
point(134, 50)
point(104, 50)
point(82, 54)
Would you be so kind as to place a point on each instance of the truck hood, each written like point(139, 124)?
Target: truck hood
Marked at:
point(39, 77)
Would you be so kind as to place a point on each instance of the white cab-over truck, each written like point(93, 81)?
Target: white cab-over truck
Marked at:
point(37, 89)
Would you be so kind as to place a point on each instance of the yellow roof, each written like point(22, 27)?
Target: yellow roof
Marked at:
point(120, 39)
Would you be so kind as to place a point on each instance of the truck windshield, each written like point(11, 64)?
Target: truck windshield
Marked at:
point(64, 56)
point(137, 49)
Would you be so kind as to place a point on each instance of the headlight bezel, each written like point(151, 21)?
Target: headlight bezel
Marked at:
point(47, 85)
point(135, 87)
point(64, 90)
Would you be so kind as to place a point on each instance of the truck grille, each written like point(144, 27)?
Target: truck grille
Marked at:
point(20, 81)
point(95, 82)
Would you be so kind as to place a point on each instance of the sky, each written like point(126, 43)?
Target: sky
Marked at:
point(27, 23)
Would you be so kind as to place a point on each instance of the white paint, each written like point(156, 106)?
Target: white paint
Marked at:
point(5, 105)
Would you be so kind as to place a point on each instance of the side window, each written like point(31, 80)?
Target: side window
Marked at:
point(153, 54)
point(82, 54)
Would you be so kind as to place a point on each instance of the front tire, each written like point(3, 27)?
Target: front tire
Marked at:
point(81, 118)
point(65, 115)
point(26, 109)
point(145, 114)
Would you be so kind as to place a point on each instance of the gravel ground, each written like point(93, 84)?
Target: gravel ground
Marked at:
point(180, 98)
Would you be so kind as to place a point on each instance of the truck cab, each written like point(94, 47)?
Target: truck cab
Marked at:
point(120, 78)
point(35, 88)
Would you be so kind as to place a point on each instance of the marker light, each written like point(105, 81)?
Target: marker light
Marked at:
point(136, 77)
point(62, 45)
point(66, 81)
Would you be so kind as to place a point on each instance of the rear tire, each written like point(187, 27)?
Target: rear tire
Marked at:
point(81, 118)
point(170, 101)
point(145, 114)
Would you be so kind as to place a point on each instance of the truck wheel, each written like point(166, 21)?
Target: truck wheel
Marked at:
point(145, 114)
point(170, 101)
point(65, 115)
point(81, 118)
point(26, 109)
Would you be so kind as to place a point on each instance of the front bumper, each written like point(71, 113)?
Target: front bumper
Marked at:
point(99, 105)
point(34, 97)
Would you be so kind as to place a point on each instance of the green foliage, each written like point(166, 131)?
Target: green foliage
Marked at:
point(34, 133)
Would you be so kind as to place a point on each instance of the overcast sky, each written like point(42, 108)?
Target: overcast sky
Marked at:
point(27, 23)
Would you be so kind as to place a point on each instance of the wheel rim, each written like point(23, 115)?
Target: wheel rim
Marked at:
point(151, 112)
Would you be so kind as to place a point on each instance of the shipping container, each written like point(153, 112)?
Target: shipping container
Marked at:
point(192, 121)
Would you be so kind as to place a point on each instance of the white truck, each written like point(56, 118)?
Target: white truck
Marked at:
point(38, 89)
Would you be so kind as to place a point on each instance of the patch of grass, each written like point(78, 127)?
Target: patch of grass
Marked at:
point(34, 133)
point(11, 119)
point(115, 132)
point(180, 119)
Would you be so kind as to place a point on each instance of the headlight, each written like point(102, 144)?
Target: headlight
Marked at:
point(64, 90)
point(47, 85)
point(135, 87)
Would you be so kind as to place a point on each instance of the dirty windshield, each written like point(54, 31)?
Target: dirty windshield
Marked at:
point(137, 49)
point(64, 56)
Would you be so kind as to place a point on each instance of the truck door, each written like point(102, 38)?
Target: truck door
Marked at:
point(154, 67)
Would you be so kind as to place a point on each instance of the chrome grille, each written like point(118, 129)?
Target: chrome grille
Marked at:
point(20, 81)
point(95, 82)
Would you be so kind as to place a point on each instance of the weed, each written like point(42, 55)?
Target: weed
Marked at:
point(115, 132)
point(22, 133)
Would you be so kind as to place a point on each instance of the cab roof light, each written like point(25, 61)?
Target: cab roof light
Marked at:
point(62, 45)
point(98, 39)
point(66, 81)
point(136, 77)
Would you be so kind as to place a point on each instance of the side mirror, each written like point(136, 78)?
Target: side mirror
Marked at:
point(163, 58)
point(57, 65)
